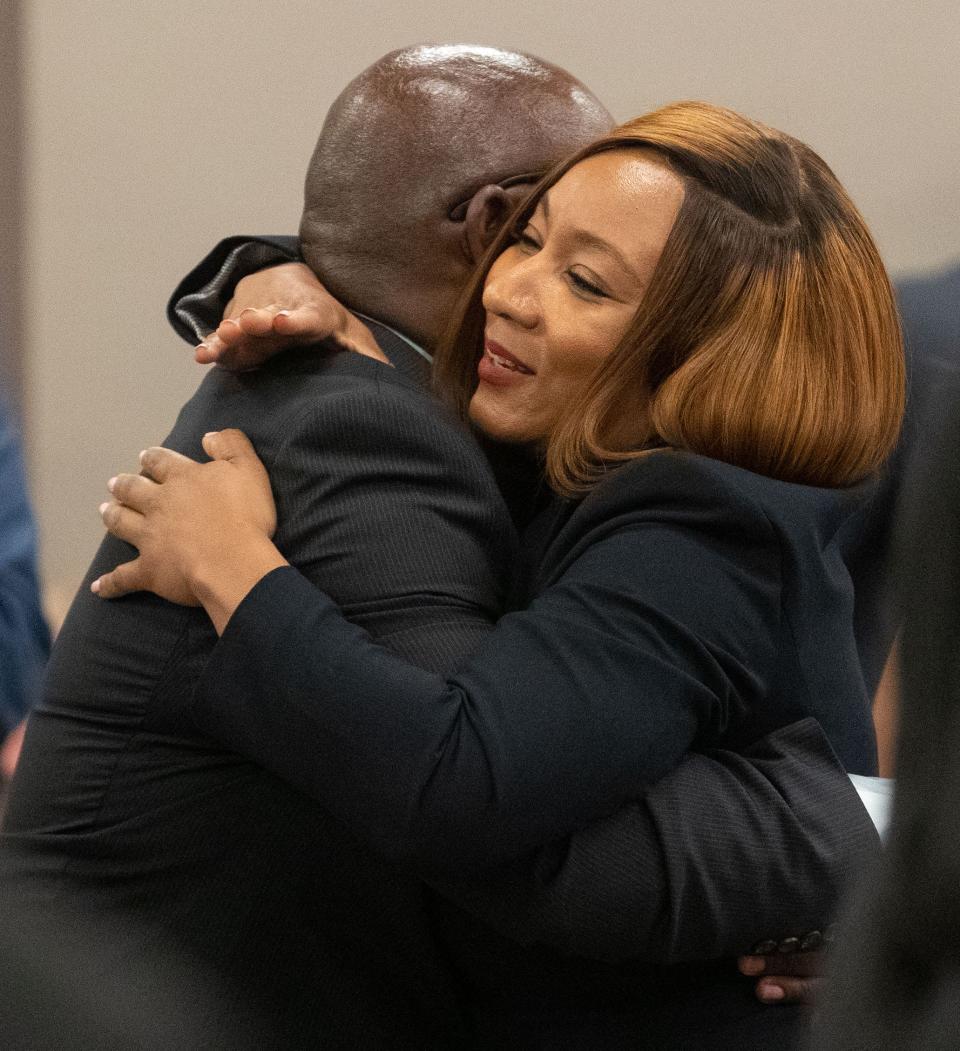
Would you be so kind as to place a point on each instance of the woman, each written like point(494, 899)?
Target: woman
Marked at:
point(691, 325)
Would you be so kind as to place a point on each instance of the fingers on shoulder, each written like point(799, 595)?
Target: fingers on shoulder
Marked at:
point(158, 463)
point(134, 490)
point(228, 444)
point(121, 581)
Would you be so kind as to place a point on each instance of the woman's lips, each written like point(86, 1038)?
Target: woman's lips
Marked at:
point(499, 367)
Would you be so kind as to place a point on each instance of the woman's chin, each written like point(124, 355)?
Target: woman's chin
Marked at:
point(498, 425)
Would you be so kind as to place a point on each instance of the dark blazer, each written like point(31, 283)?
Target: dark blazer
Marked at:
point(121, 807)
point(685, 603)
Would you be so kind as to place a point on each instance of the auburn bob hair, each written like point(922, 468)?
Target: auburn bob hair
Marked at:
point(768, 336)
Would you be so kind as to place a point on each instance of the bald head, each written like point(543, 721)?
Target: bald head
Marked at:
point(404, 151)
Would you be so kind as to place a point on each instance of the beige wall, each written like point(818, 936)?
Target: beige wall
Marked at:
point(154, 128)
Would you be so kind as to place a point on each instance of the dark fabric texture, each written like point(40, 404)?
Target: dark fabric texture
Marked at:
point(930, 312)
point(896, 978)
point(123, 809)
point(693, 603)
point(685, 603)
point(600, 894)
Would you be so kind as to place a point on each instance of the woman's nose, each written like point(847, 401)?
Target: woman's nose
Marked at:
point(511, 292)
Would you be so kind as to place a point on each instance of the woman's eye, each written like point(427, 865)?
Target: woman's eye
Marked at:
point(583, 285)
point(527, 239)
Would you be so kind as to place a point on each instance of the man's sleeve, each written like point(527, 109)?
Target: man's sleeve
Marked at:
point(198, 302)
point(24, 639)
point(724, 853)
point(390, 502)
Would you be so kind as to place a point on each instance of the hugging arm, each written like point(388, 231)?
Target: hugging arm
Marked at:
point(725, 852)
point(565, 712)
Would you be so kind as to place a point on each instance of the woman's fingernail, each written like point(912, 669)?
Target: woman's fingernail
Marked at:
point(210, 434)
point(201, 346)
point(95, 586)
point(104, 506)
point(111, 484)
point(283, 313)
point(752, 965)
point(771, 993)
point(140, 455)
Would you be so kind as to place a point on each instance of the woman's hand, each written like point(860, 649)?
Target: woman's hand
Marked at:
point(278, 308)
point(785, 979)
point(202, 530)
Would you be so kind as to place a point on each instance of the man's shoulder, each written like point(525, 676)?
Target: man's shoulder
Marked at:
point(308, 388)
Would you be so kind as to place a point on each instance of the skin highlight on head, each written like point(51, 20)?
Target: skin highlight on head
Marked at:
point(403, 191)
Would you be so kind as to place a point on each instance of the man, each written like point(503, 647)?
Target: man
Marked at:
point(121, 805)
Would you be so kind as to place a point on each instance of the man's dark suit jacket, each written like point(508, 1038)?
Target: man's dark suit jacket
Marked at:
point(123, 809)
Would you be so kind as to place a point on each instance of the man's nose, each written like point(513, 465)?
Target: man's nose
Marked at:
point(513, 294)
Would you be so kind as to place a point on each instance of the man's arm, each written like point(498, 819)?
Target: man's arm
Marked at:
point(725, 853)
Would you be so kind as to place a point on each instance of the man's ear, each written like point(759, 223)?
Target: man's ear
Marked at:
point(486, 213)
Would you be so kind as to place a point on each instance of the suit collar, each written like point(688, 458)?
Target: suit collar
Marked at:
point(407, 357)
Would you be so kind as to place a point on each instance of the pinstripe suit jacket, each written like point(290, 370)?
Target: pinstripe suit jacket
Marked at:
point(123, 809)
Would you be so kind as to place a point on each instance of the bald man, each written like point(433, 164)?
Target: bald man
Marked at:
point(122, 807)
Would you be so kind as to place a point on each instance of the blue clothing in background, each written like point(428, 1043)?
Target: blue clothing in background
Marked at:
point(24, 638)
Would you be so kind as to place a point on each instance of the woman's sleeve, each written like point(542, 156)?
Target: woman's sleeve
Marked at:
point(198, 302)
point(648, 642)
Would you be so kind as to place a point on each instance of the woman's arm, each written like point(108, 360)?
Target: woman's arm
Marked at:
point(724, 851)
point(252, 298)
point(199, 302)
point(651, 638)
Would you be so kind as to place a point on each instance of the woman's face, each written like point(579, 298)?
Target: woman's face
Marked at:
point(560, 299)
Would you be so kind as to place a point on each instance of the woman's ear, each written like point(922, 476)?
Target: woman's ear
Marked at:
point(486, 213)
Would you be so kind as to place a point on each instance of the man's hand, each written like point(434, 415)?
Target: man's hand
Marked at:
point(202, 530)
point(785, 978)
point(278, 308)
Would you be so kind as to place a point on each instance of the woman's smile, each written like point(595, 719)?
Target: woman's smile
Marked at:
point(500, 367)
